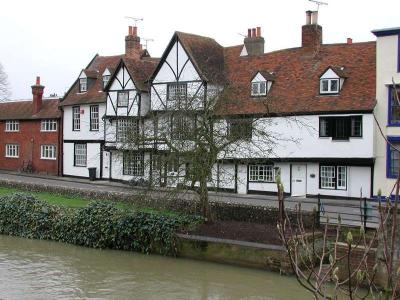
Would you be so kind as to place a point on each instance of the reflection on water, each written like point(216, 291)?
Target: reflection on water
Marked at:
point(31, 269)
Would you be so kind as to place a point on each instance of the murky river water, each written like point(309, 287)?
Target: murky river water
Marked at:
point(31, 269)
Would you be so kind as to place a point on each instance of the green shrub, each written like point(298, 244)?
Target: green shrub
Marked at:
point(99, 225)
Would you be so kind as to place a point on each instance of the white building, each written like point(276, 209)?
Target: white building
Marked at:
point(327, 148)
point(83, 108)
point(387, 110)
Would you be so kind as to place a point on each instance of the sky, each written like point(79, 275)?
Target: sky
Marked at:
point(56, 39)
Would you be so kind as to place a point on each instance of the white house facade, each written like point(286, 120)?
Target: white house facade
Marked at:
point(387, 110)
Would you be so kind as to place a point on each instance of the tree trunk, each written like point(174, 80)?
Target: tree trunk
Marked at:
point(205, 206)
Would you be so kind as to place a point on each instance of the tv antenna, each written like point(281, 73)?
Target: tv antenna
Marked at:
point(146, 41)
point(243, 35)
point(318, 3)
point(135, 20)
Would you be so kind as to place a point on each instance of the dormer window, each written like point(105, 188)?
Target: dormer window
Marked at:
point(106, 79)
point(329, 86)
point(331, 81)
point(259, 88)
point(261, 84)
point(83, 85)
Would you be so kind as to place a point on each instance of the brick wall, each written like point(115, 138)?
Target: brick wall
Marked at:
point(29, 138)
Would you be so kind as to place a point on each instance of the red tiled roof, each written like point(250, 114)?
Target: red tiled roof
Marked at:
point(22, 110)
point(206, 54)
point(95, 92)
point(141, 69)
point(296, 73)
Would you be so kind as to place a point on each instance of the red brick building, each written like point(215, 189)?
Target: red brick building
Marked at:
point(31, 134)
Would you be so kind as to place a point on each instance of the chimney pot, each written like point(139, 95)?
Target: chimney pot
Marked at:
point(37, 80)
point(258, 31)
point(134, 31)
point(314, 17)
point(130, 30)
point(308, 17)
point(253, 32)
point(249, 32)
point(349, 41)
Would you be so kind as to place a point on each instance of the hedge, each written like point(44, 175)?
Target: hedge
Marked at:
point(171, 201)
point(99, 225)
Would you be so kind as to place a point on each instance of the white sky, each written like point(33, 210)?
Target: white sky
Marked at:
point(56, 39)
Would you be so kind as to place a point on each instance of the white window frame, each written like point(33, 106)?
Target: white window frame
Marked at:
point(82, 85)
point(334, 182)
point(76, 118)
point(12, 150)
point(80, 155)
point(256, 88)
point(48, 152)
point(133, 163)
point(339, 170)
point(329, 90)
point(48, 125)
point(125, 102)
point(127, 130)
point(106, 79)
point(261, 173)
point(94, 118)
point(12, 126)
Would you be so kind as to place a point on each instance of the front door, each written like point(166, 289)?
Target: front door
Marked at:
point(299, 183)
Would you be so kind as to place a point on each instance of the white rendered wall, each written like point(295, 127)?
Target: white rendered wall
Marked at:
point(386, 69)
point(84, 133)
point(93, 160)
point(299, 138)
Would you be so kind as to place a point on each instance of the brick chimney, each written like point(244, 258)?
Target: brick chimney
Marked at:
point(254, 42)
point(132, 42)
point(37, 92)
point(311, 34)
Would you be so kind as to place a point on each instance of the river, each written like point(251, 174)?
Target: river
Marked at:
point(32, 269)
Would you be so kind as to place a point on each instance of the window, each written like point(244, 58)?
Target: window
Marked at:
point(48, 152)
point(123, 99)
point(12, 126)
point(82, 85)
point(240, 129)
point(393, 157)
point(94, 117)
point(261, 173)
point(177, 93)
point(80, 155)
point(12, 150)
point(127, 130)
point(48, 125)
point(133, 164)
point(76, 118)
point(394, 107)
point(340, 128)
point(106, 79)
point(329, 86)
point(259, 88)
point(182, 127)
point(333, 177)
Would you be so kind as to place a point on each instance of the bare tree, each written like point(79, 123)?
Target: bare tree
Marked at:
point(4, 86)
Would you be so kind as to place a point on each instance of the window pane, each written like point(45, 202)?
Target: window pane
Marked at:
point(334, 85)
point(323, 127)
point(264, 173)
point(341, 128)
point(356, 126)
point(123, 99)
point(394, 160)
point(133, 163)
point(94, 117)
point(342, 177)
point(127, 130)
point(240, 129)
point(176, 95)
point(80, 155)
point(324, 85)
point(395, 108)
point(327, 177)
point(262, 88)
point(254, 88)
point(76, 118)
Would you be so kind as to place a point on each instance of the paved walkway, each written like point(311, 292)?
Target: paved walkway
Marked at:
point(349, 209)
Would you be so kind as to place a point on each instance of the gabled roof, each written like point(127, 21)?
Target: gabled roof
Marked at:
point(23, 110)
point(205, 53)
point(267, 75)
point(95, 92)
point(296, 85)
point(339, 71)
point(140, 70)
